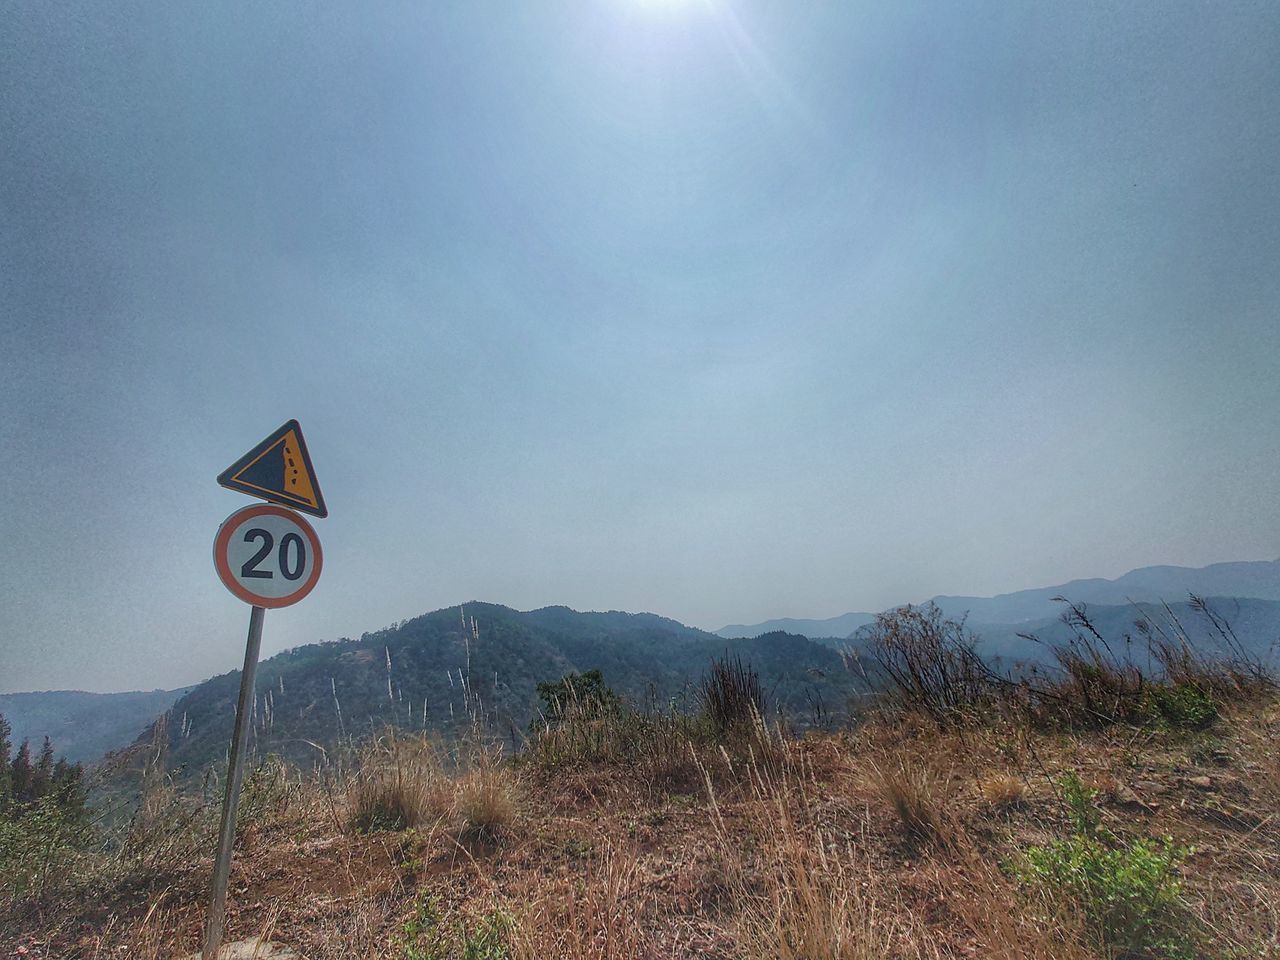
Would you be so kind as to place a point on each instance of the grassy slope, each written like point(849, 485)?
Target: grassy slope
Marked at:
point(805, 849)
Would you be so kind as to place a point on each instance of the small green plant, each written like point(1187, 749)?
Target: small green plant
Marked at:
point(1081, 808)
point(1129, 892)
point(491, 939)
point(426, 936)
point(1182, 706)
point(421, 935)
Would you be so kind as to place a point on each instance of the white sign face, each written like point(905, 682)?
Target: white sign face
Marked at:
point(267, 555)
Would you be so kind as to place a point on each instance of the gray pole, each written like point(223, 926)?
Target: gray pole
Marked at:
point(227, 834)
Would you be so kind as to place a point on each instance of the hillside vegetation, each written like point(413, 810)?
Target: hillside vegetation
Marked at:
point(432, 673)
point(1105, 812)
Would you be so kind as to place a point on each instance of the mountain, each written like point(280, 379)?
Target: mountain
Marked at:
point(425, 672)
point(841, 626)
point(84, 726)
point(1257, 579)
point(1254, 623)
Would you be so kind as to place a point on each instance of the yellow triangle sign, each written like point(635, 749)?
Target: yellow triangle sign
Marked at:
point(279, 469)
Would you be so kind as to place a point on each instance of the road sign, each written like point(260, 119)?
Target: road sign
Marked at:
point(279, 469)
point(267, 556)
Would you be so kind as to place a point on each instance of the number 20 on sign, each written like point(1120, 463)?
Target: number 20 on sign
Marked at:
point(268, 556)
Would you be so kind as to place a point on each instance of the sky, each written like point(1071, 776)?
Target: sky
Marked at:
point(720, 309)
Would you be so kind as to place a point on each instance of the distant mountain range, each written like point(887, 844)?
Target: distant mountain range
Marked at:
point(84, 726)
point(1256, 579)
point(841, 626)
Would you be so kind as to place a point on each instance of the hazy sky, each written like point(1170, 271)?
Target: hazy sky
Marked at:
point(724, 310)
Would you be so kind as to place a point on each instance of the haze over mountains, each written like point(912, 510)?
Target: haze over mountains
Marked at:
point(83, 726)
point(1258, 579)
point(429, 671)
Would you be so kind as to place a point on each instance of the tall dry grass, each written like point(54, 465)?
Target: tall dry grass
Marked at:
point(485, 798)
point(802, 890)
point(397, 783)
point(606, 914)
point(918, 793)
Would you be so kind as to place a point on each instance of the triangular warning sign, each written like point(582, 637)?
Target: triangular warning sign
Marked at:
point(279, 469)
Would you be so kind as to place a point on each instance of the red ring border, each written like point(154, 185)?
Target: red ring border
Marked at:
point(223, 538)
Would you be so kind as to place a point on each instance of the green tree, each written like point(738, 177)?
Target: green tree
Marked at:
point(577, 691)
point(21, 774)
point(42, 775)
point(6, 791)
point(69, 789)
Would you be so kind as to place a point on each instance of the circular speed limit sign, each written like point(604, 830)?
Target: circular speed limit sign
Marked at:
point(268, 556)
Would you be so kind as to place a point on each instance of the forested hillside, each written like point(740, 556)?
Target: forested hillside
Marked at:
point(433, 671)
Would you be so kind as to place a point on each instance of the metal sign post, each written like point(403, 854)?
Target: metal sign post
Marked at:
point(231, 799)
point(268, 556)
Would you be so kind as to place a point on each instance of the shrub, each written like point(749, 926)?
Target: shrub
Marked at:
point(930, 663)
point(1099, 683)
point(917, 794)
point(39, 844)
point(577, 694)
point(1003, 790)
point(380, 802)
point(1128, 892)
point(731, 696)
point(1082, 809)
point(1182, 706)
point(399, 785)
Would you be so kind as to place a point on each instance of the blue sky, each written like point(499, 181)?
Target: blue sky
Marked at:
point(724, 310)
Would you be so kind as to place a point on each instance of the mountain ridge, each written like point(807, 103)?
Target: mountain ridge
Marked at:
point(1257, 579)
point(84, 725)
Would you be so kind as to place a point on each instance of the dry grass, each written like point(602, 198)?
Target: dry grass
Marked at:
point(1003, 789)
point(399, 784)
point(1008, 923)
point(875, 843)
point(917, 793)
point(813, 898)
point(602, 916)
point(804, 892)
point(485, 800)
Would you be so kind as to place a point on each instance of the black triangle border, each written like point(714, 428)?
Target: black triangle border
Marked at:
point(226, 477)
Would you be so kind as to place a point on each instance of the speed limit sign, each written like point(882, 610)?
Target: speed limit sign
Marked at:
point(267, 555)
